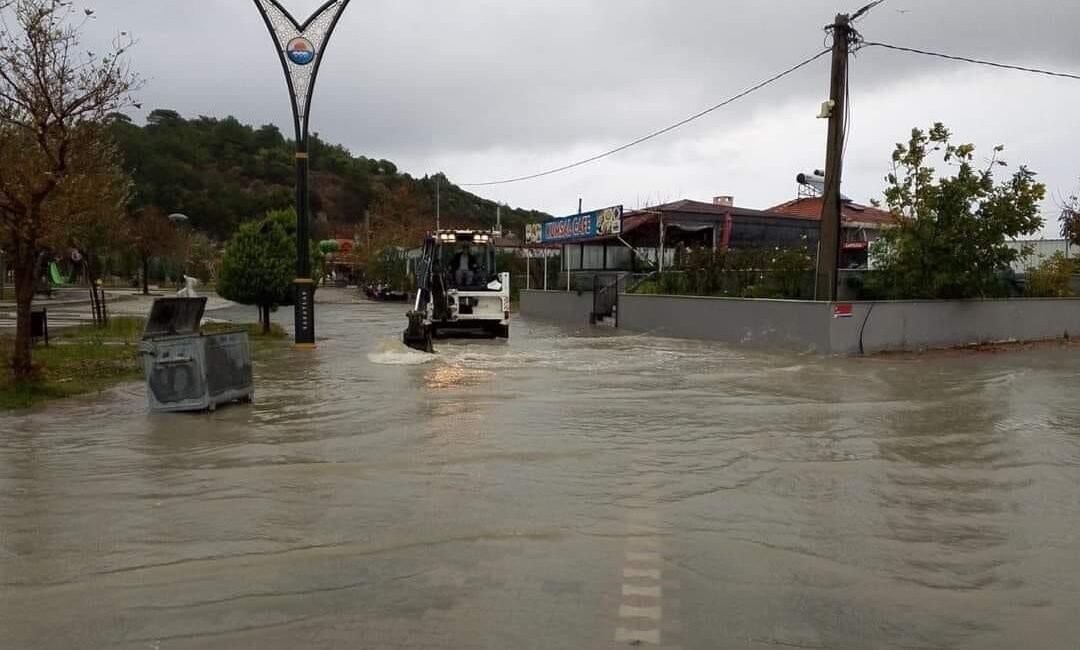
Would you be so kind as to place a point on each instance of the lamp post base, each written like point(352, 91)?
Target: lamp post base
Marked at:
point(305, 314)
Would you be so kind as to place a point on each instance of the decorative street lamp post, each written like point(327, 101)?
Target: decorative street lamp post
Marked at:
point(300, 46)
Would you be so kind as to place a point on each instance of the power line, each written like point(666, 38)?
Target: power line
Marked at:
point(662, 131)
point(951, 57)
point(862, 12)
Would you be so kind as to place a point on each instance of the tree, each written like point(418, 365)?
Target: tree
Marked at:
point(203, 257)
point(54, 98)
point(951, 236)
point(259, 265)
point(1069, 220)
point(152, 235)
point(1051, 278)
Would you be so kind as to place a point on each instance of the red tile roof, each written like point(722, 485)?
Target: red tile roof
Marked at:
point(810, 208)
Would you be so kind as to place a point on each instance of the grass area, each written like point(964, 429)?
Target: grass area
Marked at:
point(260, 343)
point(89, 359)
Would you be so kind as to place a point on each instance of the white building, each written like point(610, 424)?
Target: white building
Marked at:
point(1040, 250)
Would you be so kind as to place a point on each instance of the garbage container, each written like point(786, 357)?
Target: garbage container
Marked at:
point(187, 370)
point(39, 325)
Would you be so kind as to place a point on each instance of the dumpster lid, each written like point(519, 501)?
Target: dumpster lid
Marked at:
point(172, 316)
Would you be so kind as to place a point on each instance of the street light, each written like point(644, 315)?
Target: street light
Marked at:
point(179, 220)
point(300, 48)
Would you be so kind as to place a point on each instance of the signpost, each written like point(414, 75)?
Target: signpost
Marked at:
point(588, 225)
point(579, 227)
point(300, 47)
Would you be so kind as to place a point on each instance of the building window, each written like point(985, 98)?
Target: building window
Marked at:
point(573, 257)
point(619, 258)
point(592, 257)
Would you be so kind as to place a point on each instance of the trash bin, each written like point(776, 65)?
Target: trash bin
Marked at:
point(187, 370)
point(39, 325)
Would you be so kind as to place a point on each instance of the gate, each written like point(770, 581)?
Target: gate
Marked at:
point(605, 298)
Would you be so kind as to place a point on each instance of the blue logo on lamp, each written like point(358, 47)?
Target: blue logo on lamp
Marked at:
point(300, 51)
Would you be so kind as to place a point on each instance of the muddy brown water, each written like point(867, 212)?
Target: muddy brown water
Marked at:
point(566, 490)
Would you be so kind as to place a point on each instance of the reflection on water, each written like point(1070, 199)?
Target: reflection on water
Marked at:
point(444, 376)
point(481, 497)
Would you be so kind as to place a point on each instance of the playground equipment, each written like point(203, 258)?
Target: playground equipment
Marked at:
point(56, 279)
point(189, 287)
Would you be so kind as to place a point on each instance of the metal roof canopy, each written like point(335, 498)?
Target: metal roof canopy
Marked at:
point(696, 216)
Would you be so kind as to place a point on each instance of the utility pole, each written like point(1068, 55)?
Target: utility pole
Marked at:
point(829, 241)
point(438, 206)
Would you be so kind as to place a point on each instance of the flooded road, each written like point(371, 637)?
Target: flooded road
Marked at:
point(566, 490)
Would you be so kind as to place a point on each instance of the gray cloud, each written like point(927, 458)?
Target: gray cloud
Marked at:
point(431, 84)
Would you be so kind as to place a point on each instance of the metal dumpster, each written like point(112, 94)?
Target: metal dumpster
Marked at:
point(190, 371)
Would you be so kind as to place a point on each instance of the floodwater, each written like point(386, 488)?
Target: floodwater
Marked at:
point(570, 489)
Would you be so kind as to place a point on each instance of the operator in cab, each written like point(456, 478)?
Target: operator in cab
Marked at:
point(464, 266)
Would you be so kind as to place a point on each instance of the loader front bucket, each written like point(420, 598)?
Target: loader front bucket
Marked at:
point(418, 334)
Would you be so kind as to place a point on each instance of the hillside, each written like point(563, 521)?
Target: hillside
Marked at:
point(221, 173)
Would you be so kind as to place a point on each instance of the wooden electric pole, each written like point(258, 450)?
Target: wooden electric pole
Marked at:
point(829, 245)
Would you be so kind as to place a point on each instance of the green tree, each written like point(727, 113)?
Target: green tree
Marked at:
point(1052, 278)
point(54, 98)
point(951, 236)
point(259, 265)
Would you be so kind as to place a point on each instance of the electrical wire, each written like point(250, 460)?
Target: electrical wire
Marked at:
point(865, 10)
point(951, 57)
point(662, 131)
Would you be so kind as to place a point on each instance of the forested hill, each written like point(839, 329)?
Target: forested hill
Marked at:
point(221, 173)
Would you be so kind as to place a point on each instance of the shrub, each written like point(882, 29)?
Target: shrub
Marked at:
point(1051, 278)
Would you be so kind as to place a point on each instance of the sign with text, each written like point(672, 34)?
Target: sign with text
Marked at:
point(588, 225)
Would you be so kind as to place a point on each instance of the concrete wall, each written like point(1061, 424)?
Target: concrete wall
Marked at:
point(920, 325)
point(557, 306)
point(789, 324)
point(810, 326)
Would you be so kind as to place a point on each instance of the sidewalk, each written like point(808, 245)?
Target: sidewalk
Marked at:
point(67, 309)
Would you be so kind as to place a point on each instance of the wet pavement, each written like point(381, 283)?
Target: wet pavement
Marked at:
point(566, 490)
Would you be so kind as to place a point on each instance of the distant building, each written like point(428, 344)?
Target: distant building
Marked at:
point(687, 224)
point(1040, 250)
point(861, 225)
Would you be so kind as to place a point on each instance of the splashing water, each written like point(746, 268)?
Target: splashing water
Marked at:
point(392, 352)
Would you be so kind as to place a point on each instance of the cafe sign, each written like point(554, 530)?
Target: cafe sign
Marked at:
point(588, 225)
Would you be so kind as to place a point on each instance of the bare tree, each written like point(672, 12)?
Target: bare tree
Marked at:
point(1070, 219)
point(54, 98)
point(152, 234)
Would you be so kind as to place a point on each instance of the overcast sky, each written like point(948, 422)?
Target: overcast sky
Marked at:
point(489, 89)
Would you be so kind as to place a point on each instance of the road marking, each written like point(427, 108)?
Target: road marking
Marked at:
point(632, 590)
point(631, 572)
point(628, 611)
point(647, 558)
point(622, 635)
point(642, 543)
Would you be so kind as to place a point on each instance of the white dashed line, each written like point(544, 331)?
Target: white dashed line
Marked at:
point(623, 635)
point(631, 572)
point(633, 590)
point(627, 611)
